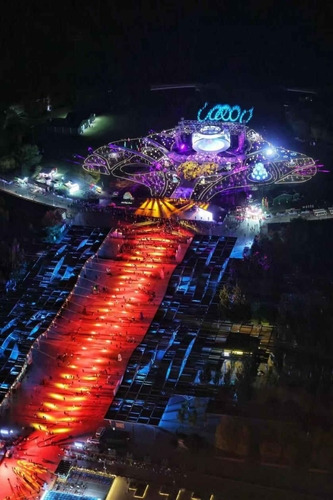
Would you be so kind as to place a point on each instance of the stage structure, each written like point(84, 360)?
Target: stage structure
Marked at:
point(198, 159)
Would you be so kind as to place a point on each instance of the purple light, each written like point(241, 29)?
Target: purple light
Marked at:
point(182, 147)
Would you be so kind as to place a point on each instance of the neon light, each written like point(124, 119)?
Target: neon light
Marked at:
point(225, 113)
point(210, 172)
point(259, 172)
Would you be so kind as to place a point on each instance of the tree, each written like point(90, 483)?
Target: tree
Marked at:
point(296, 447)
point(27, 156)
point(192, 416)
point(37, 171)
point(227, 378)
point(224, 297)
point(4, 215)
point(237, 296)
point(244, 380)
point(322, 448)
point(206, 373)
point(232, 436)
point(53, 222)
point(217, 377)
point(95, 176)
point(13, 128)
point(52, 218)
point(181, 415)
point(269, 444)
point(7, 163)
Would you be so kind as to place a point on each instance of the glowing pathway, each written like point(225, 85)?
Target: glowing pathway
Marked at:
point(80, 360)
point(167, 209)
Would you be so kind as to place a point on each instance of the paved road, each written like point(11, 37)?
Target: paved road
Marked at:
point(23, 191)
point(51, 199)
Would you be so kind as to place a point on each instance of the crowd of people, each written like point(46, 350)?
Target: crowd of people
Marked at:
point(80, 363)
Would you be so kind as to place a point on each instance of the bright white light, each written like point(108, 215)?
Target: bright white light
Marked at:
point(201, 214)
point(210, 139)
point(270, 151)
point(253, 212)
point(74, 188)
point(77, 444)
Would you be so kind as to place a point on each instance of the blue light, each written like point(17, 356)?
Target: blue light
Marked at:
point(259, 172)
point(225, 113)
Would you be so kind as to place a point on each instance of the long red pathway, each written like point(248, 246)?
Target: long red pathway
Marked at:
point(79, 362)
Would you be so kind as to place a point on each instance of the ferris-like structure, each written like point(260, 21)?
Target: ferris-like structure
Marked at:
point(201, 159)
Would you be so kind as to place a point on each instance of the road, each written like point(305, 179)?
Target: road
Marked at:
point(24, 191)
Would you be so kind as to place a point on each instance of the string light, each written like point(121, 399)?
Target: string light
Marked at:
point(162, 160)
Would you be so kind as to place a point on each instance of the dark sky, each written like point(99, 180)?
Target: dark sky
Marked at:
point(48, 45)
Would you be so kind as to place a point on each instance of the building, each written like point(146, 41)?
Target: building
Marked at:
point(74, 124)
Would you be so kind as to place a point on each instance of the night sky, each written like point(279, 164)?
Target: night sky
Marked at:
point(49, 46)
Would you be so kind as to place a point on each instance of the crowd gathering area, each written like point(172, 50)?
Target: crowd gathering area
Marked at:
point(79, 361)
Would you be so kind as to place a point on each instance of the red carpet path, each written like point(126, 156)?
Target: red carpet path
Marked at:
point(79, 362)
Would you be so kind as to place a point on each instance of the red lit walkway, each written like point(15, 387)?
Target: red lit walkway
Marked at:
point(80, 360)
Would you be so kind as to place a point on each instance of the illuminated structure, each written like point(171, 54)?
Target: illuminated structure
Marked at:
point(259, 172)
point(210, 158)
point(210, 139)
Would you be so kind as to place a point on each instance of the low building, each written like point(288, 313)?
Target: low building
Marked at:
point(73, 124)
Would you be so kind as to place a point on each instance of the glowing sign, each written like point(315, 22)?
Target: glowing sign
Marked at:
point(225, 113)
